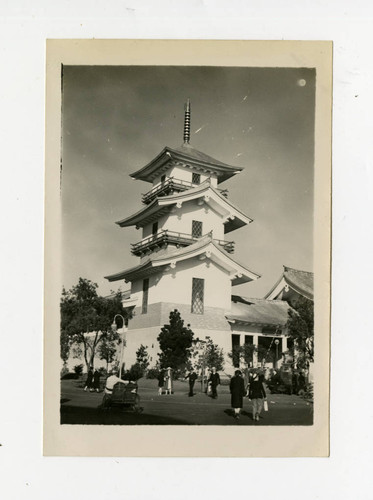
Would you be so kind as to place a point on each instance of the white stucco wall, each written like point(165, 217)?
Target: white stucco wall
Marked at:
point(146, 337)
point(185, 174)
point(175, 285)
point(181, 219)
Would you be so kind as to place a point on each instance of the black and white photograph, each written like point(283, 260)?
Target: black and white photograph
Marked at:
point(186, 250)
point(187, 236)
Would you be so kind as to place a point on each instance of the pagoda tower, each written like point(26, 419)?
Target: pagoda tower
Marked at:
point(185, 261)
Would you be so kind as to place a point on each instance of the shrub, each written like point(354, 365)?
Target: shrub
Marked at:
point(64, 371)
point(134, 373)
point(78, 369)
point(103, 371)
point(153, 373)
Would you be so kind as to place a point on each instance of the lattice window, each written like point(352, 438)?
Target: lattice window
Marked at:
point(197, 295)
point(196, 178)
point(196, 228)
point(145, 294)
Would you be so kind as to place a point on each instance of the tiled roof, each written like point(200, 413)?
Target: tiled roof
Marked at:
point(300, 281)
point(258, 311)
point(187, 154)
point(159, 206)
point(155, 260)
point(188, 150)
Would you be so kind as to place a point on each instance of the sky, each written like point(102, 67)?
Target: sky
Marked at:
point(115, 119)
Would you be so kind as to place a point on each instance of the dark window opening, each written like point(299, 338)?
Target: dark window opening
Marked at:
point(163, 178)
point(145, 294)
point(197, 295)
point(196, 178)
point(196, 229)
point(249, 339)
point(235, 348)
point(155, 228)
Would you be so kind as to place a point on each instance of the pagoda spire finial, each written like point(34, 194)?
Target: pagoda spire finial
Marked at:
point(187, 122)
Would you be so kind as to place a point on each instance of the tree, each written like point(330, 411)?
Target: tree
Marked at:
point(175, 341)
point(214, 355)
point(64, 347)
point(86, 317)
point(108, 347)
point(244, 354)
point(301, 329)
point(142, 357)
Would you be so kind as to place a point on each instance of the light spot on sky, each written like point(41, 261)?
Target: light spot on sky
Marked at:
point(301, 82)
point(200, 128)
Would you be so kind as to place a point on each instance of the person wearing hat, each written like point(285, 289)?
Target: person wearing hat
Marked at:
point(237, 389)
point(257, 394)
point(109, 387)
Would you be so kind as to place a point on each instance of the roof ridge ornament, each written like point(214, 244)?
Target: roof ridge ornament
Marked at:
point(187, 122)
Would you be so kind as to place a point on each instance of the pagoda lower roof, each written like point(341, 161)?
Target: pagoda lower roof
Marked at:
point(163, 204)
point(206, 245)
point(188, 157)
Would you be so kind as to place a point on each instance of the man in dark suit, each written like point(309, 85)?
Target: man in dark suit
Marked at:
point(215, 381)
point(237, 388)
point(192, 376)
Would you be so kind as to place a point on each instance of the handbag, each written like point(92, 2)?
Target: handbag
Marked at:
point(265, 405)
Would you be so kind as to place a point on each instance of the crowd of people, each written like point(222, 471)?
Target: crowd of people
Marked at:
point(249, 385)
point(93, 381)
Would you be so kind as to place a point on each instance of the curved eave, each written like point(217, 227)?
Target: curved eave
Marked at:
point(275, 290)
point(159, 164)
point(298, 290)
point(243, 321)
point(133, 273)
point(145, 215)
point(280, 285)
point(222, 170)
point(235, 217)
point(148, 172)
point(239, 274)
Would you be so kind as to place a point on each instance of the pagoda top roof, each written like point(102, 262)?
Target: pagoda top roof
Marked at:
point(299, 281)
point(159, 206)
point(189, 157)
point(206, 245)
point(258, 311)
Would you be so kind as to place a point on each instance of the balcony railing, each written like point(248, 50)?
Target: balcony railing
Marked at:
point(169, 186)
point(166, 237)
point(166, 187)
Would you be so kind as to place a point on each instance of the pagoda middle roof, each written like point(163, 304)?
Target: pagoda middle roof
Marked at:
point(152, 263)
point(161, 205)
point(189, 157)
